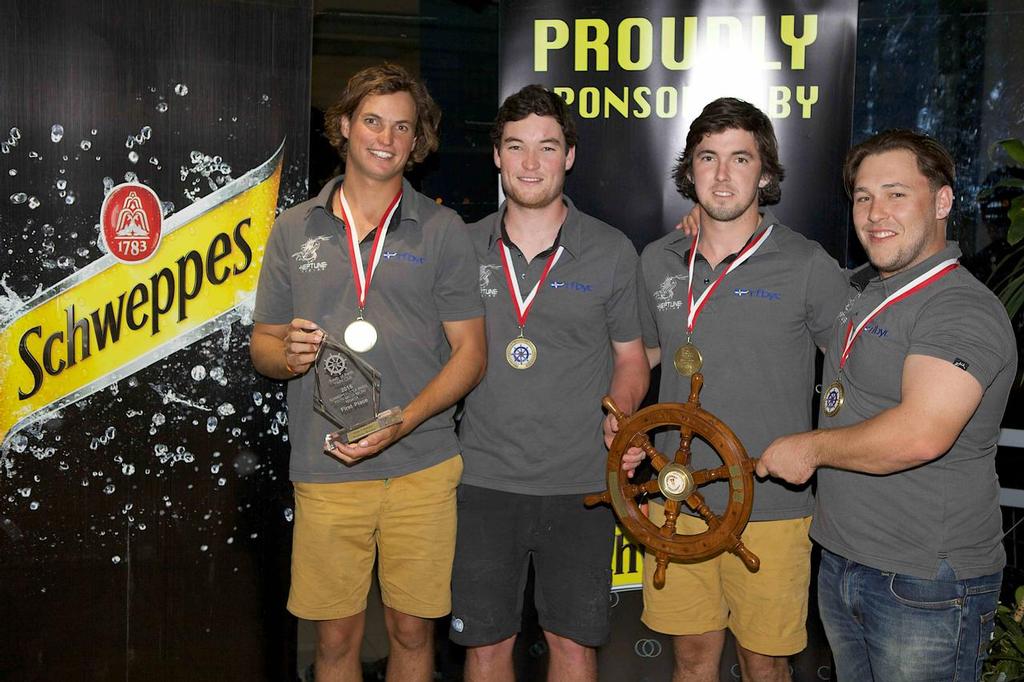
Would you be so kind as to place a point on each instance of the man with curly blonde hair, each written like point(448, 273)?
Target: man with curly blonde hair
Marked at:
point(371, 253)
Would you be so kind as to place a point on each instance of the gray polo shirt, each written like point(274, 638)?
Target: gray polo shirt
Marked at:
point(427, 275)
point(909, 521)
point(538, 431)
point(757, 333)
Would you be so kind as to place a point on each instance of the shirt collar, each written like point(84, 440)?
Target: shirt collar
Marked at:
point(868, 274)
point(408, 210)
point(679, 243)
point(570, 236)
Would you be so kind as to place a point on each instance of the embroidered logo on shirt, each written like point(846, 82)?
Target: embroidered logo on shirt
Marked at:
point(962, 364)
point(308, 253)
point(572, 286)
point(403, 257)
point(486, 289)
point(876, 330)
point(758, 293)
point(667, 291)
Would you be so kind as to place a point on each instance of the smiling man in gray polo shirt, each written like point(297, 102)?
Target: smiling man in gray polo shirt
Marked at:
point(761, 297)
point(390, 496)
point(559, 288)
point(920, 363)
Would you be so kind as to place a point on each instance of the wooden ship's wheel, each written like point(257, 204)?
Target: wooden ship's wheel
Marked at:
point(678, 483)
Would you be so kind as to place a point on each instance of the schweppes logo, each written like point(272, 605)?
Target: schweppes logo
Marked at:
point(121, 313)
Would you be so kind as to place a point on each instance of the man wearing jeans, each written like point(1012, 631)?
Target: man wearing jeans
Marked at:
point(915, 384)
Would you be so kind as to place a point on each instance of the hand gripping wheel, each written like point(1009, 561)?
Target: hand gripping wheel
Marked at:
point(679, 483)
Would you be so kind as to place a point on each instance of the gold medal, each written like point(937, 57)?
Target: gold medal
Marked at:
point(360, 336)
point(833, 399)
point(520, 353)
point(688, 360)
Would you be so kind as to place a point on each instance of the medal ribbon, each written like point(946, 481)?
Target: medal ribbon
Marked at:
point(362, 278)
point(693, 310)
point(908, 289)
point(523, 305)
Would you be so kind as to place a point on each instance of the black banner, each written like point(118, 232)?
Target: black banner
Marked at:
point(637, 73)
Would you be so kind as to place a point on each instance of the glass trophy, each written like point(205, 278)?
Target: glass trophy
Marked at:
point(347, 393)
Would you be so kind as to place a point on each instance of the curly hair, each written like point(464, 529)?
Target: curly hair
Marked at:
point(534, 99)
point(386, 79)
point(727, 113)
point(933, 160)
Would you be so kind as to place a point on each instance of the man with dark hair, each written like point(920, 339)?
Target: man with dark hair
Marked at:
point(391, 494)
point(559, 288)
point(754, 341)
point(921, 361)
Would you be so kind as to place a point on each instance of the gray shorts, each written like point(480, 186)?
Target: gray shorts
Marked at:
point(498, 535)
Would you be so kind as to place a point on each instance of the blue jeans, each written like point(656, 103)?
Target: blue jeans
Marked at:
point(895, 628)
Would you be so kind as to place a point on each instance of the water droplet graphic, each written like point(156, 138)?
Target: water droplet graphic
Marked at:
point(198, 373)
point(19, 198)
point(181, 89)
point(161, 107)
point(56, 132)
point(33, 203)
point(289, 515)
point(133, 156)
point(86, 145)
point(115, 559)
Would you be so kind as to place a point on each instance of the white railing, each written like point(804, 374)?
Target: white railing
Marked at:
point(1011, 497)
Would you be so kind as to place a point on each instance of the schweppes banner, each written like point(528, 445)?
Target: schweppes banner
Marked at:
point(112, 318)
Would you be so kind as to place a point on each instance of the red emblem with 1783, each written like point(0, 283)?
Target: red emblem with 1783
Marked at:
point(131, 222)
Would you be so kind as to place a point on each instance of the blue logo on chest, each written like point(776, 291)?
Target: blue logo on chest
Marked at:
point(875, 330)
point(572, 286)
point(758, 293)
point(403, 256)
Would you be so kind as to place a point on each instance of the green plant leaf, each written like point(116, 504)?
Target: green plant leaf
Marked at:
point(1013, 296)
point(1016, 214)
point(1008, 182)
point(1014, 147)
point(1018, 594)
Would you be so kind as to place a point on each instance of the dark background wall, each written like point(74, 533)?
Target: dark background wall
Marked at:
point(180, 571)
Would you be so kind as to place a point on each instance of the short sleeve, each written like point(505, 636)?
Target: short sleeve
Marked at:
point(827, 291)
point(274, 290)
point(968, 327)
point(456, 283)
point(621, 308)
point(648, 322)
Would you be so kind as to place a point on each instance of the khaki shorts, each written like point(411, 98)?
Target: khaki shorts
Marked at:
point(409, 521)
point(766, 611)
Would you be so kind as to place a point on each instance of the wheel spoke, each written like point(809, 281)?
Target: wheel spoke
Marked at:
point(642, 441)
point(636, 489)
point(683, 453)
point(651, 487)
point(703, 476)
point(671, 514)
point(696, 503)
